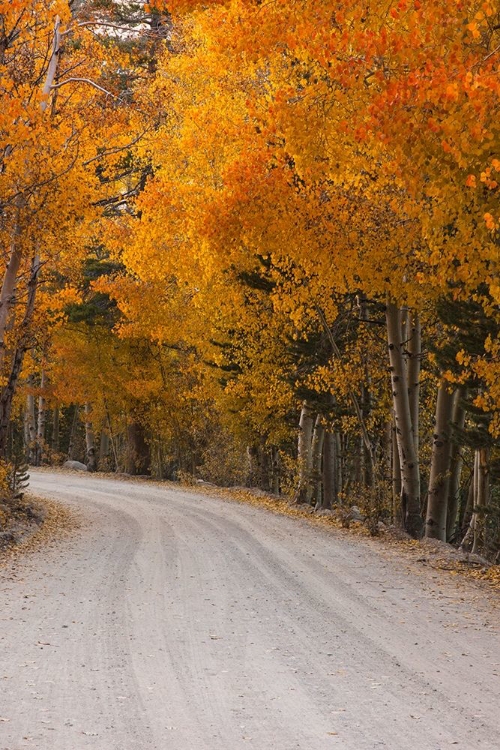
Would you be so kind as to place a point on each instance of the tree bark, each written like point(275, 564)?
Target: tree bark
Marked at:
point(414, 349)
point(410, 470)
point(103, 446)
point(55, 429)
point(482, 498)
point(316, 459)
point(30, 426)
point(24, 343)
point(456, 463)
point(330, 471)
point(275, 471)
point(90, 440)
point(53, 64)
point(7, 293)
point(138, 455)
point(72, 434)
point(304, 452)
point(42, 413)
point(439, 480)
point(397, 509)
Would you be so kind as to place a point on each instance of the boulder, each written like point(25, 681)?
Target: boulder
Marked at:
point(74, 466)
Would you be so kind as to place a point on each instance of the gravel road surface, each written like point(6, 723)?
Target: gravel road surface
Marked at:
point(177, 621)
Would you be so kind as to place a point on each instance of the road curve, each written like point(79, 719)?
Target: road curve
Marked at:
point(177, 621)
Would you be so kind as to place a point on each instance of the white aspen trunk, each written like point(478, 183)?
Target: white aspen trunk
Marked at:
point(456, 463)
point(304, 452)
point(53, 64)
point(410, 470)
point(89, 439)
point(23, 344)
point(439, 480)
point(316, 459)
point(481, 499)
point(7, 293)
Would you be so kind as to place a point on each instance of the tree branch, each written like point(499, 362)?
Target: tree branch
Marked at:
point(88, 81)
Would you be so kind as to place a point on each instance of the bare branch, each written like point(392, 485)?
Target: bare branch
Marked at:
point(88, 81)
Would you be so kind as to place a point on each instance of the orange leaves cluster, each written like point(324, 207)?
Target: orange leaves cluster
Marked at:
point(351, 145)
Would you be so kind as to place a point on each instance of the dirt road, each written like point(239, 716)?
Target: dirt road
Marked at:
point(176, 621)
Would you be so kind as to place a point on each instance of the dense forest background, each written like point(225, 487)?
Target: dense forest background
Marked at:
point(257, 244)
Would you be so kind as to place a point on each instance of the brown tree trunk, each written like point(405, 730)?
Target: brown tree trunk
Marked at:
point(90, 440)
point(103, 446)
point(330, 471)
point(138, 454)
point(397, 509)
point(456, 463)
point(55, 429)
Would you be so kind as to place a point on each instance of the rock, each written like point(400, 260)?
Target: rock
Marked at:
point(74, 465)
point(355, 514)
point(6, 538)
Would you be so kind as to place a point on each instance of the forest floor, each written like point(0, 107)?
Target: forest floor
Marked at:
point(175, 618)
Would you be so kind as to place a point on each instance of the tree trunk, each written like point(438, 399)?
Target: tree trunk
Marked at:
point(53, 64)
point(410, 470)
point(55, 429)
point(275, 471)
point(397, 508)
point(340, 463)
point(482, 498)
point(439, 480)
point(316, 458)
point(72, 434)
point(42, 413)
point(103, 446)
point(304, 452)
point(89, 440)
point(30, 427)
point(414, 349)
point(138, 455)
point(480, 493)
point(456, 463)
point(7, 293)
point(330, 471)
point(24, 343)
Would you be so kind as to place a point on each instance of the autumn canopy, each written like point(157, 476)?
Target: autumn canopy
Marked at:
point(258, 243)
